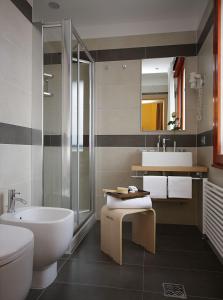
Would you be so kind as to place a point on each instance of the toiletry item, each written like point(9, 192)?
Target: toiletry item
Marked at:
point(132, 189)
point(122, 190)
point(114, 203)
point(180, 187)
point(156, 185)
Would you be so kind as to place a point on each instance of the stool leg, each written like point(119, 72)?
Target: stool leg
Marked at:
point(144, 230)
point(111, 235)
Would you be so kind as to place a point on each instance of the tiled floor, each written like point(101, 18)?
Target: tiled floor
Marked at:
point(182, 257)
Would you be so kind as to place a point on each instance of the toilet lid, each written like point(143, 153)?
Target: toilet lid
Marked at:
point(13, 241)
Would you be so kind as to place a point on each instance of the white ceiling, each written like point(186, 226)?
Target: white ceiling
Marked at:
point(156, 65)
point(107, 18)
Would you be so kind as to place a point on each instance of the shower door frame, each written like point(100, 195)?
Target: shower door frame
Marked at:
point(68, 32)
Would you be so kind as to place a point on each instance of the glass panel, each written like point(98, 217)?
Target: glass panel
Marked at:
point(52, 117)
point(83, 137)
point(66, 113)
point(74, 139)
point(66, 122)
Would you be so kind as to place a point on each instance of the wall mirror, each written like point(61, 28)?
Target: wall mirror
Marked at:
point(163, 94)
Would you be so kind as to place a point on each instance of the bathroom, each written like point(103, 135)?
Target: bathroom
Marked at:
point(74, 98)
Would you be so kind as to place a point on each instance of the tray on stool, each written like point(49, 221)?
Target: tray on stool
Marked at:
point(143, 230)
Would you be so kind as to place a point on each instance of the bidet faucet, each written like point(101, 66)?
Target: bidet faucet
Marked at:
point(12, 199)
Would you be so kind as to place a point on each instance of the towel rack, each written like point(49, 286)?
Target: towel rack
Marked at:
point(141, 176)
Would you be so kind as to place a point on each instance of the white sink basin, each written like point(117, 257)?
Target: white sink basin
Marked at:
point(167, 159)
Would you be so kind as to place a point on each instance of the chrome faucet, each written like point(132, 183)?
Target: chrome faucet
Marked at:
point(12, 199)
point(164, 144)
point(158, 144)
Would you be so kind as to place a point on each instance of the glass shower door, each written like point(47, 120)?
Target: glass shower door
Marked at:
point(52, 118)
point(84, 137)
point(67, 122)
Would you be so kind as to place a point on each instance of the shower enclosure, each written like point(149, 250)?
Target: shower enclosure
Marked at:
point(68, 135)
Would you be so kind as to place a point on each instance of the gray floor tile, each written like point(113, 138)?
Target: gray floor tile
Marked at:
point(159, 296)
point(178, 230)
point(182, 257)
point(181, 243)
point(90, 251)
point(132, 253)
point(33, 294)
point(104, 274)
point(78, 292)
point(197, 283)
point(187, 260)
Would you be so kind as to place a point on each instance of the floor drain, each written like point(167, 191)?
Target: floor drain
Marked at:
point(174, 290)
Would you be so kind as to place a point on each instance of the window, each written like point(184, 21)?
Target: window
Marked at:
point(218, 86)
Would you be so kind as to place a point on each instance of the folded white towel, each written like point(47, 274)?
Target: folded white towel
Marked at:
point(156, 185)
point(144, 202)
point(180, 187)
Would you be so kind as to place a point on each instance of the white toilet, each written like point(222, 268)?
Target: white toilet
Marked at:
point(16, 262)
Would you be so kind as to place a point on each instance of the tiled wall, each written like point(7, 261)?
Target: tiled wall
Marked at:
point(120, 140)
point(15, 100)
point(205, 67)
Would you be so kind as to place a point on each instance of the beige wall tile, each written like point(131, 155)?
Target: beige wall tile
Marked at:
point(204, 19)
point(15, 97)
point(118, 96)
point(112, 72)
point(116, 121)
point(205, 68)
point(117, 158)
point(205, 157)
point(146, 40)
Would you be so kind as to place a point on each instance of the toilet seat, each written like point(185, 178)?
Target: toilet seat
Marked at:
point(14, 241)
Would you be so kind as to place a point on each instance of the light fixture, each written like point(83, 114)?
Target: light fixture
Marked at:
point(54, 5)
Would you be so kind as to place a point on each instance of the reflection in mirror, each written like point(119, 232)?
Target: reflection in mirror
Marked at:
point(163, 94)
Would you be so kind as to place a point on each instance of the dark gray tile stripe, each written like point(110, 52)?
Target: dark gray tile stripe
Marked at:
point(12, 134)
point(131, 53)
point(55, 140)
point(205, 139)
point(205, 31)
point(171, 50)
point(36, 137)
point(120, 140)
point(52, 58)
point(56, 58)
point(24, 7)
point(183, 140)
point(19, 135)
point(120, 54)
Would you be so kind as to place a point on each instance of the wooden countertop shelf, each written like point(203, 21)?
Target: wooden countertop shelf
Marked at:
point(194, 169)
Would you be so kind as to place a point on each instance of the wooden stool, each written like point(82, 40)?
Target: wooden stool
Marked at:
point(143, 230)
